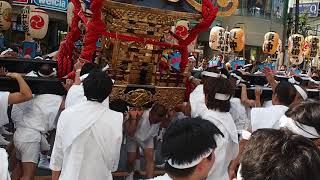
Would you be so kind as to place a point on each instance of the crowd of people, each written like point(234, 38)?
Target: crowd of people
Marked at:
point(213, 135)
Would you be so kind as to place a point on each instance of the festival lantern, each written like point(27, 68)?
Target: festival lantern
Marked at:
point(237, 39)
point(295, 48)
point(311, 47)
point(70, 14)
point(217, 38)
point(38, 23)
point(25, 14)
point(271, 43)
point(5, 15)
point(226, 47)
point(182, 29)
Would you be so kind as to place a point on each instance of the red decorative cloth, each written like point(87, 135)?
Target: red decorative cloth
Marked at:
point(66, 47)
point(94, 30)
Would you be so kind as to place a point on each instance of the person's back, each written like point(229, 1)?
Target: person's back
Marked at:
point(85, 157)
point(89, 135)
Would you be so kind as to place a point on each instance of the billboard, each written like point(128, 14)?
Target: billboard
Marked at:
point(311, 8)
point(55, 5)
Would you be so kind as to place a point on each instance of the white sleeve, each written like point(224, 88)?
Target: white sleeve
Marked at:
point(4, 97)
point(4, 173)
point(57, 154)
point(115, 154)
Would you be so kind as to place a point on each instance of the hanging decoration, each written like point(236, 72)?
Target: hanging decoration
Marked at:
point(70, 14)
point(270, 43)
point(311, 47)
point(237, 39)
point(66, 47)
point(38, 23)
point(295, 48)
point(5, 15)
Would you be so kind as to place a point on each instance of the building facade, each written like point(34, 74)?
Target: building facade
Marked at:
point(56, 10)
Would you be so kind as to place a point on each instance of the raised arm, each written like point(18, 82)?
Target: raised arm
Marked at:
point(268, 73)
point(248, 102)
point(25, 93)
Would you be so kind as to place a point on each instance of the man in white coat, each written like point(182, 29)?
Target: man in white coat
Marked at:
point(36, 118)
point(188, 147)
point(7, 98)
point(89, 135)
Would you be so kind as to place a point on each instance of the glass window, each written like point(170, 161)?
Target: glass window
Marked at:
point(277, 9)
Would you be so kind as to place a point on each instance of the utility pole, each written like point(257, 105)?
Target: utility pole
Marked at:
point(296, 22)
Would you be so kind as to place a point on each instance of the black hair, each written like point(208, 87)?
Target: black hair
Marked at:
point(87, 67)
point(119, 105)
point(97, 86)
point(307, 113)
point(285, 93)
point(159, 110)
point(186, 140)
point(45, 69)
point(217, 85)
point(279, 154)
point(225, 72)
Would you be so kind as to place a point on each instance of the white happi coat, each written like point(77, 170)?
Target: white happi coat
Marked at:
point(146, 130)
point(198, 107)
point(4, 173)
point(76, 96)
point(197, 102)
point(88, 141)
point(164, 177)
point(266, 117)
point(239, 113)
point(36, 116)
point(4, 96)
point(227, 146)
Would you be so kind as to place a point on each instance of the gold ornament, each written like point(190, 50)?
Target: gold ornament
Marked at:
point(221, 3)
point(138, 97)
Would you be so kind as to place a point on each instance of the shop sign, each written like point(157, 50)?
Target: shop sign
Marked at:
point(311, 8)
point(20, 1)
point(60, 5)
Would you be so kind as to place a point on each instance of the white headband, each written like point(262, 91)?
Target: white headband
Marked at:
point(212, 74)
point(302, 93)
point(238, 77)
point(54, 73)
point(192, 164)
point(222, 97)
point(83, 77)
point(105, 68)
point(298, 128)
point(293, 81)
